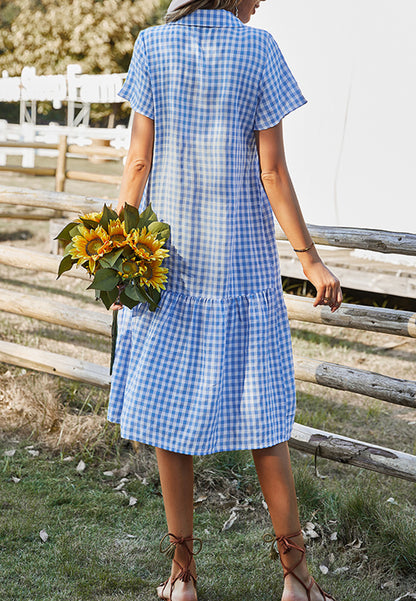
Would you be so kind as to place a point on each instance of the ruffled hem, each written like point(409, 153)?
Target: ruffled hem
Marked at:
point(203, 375)
point(261, 444)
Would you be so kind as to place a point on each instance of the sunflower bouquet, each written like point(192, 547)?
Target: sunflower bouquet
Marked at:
point(124, 255)
point(122, 252)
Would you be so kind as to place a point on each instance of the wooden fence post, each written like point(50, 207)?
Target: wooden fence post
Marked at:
point(61, 164)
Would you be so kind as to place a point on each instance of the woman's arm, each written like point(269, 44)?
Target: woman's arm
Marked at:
point(138, 162)
point(283, 200)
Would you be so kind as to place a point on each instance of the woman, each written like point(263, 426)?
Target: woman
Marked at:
point(212, 369)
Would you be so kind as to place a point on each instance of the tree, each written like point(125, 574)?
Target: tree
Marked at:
point(49, 35)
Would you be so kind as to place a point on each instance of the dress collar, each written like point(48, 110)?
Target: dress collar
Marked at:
point(210, 17)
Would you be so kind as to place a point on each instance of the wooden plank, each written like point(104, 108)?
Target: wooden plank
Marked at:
point(52, 363)
point(360, 381)
point(354, 452)
point(41, 145)
point(28, 170)
point(35, 261)
point(310, 440)
point(26, 216)
point(61, 164)
point(359, 317)
point(383, 241)
point(50, 311)
point(86, 176)
point(47, 199)
point(93, 150)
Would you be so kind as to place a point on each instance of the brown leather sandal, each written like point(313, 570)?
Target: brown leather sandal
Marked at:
point(287, 546)
point(185, 574)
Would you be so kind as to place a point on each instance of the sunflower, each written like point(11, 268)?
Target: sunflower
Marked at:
point(91, 216)
point(154, 275)
point(146, 245)
point(90, 246)
point(131, 269)
point(117, 233)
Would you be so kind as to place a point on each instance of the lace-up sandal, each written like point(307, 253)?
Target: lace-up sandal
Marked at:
point(184, 574)
point(287, 545)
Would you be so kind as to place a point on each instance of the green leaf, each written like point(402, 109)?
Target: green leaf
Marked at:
point(90, 223)
point(65, 233)
point(110, 259)
point(108, 297)
point(154, 295)
point(68, 248)
point(104, 279)
point(75, 231)
point(108, 214)
point(126, 300)
point(135, 292)
point(131, 217)
point(65, 265)
point(148, 215)
point(160, 229)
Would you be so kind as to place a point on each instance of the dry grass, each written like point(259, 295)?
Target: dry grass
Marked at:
point(31, 407)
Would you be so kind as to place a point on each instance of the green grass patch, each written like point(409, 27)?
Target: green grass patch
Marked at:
point(100, 547)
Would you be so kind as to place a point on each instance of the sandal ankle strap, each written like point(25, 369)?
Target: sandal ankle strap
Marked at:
point(169, 550)
point(185, 573)
point(287, 545)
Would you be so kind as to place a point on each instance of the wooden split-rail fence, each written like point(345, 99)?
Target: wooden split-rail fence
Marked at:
point(311, 440)
point(60, 172)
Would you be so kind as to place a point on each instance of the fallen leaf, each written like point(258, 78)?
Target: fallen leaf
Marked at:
point(43, 535)
point(81, 466)
point(109, 473)
point(356, 544)
point(265, 505)
point(33, 452)
point(121, 484)
point(230, 521)
point(392, 501)
point(323, 569)
point(68, 458)
point(334, 536)
point(9, 453)
point(200, 499)
point(132, 501)
point(16, 480)
point(341, 570)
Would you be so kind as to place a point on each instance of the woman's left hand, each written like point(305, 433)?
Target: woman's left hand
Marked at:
point(326, 283)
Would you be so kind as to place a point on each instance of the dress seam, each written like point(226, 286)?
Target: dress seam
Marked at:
point(221, 298)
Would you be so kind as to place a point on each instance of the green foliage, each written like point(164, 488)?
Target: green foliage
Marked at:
point(98, 35)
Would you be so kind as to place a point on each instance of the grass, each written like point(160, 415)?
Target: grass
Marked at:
point(100, 547)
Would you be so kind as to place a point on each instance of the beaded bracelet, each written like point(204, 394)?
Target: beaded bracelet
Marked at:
point(302, 250)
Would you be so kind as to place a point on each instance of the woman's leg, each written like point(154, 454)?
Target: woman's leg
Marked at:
point(177, 480)
point(276, 480)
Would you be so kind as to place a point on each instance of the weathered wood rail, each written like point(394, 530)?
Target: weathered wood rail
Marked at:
point(352, 380)
point(60, 172)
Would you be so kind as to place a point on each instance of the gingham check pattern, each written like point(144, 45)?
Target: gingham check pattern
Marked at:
point(212, 369)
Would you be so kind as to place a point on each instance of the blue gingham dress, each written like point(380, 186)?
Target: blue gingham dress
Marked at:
point(212, 368)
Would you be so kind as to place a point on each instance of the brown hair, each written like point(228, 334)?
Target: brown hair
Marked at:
point(196, 4)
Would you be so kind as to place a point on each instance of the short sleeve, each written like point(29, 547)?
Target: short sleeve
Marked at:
point(279, 93)
point(137, 87)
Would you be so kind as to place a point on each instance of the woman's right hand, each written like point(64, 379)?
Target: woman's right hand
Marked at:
point(326, 283)
point(116, 307)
